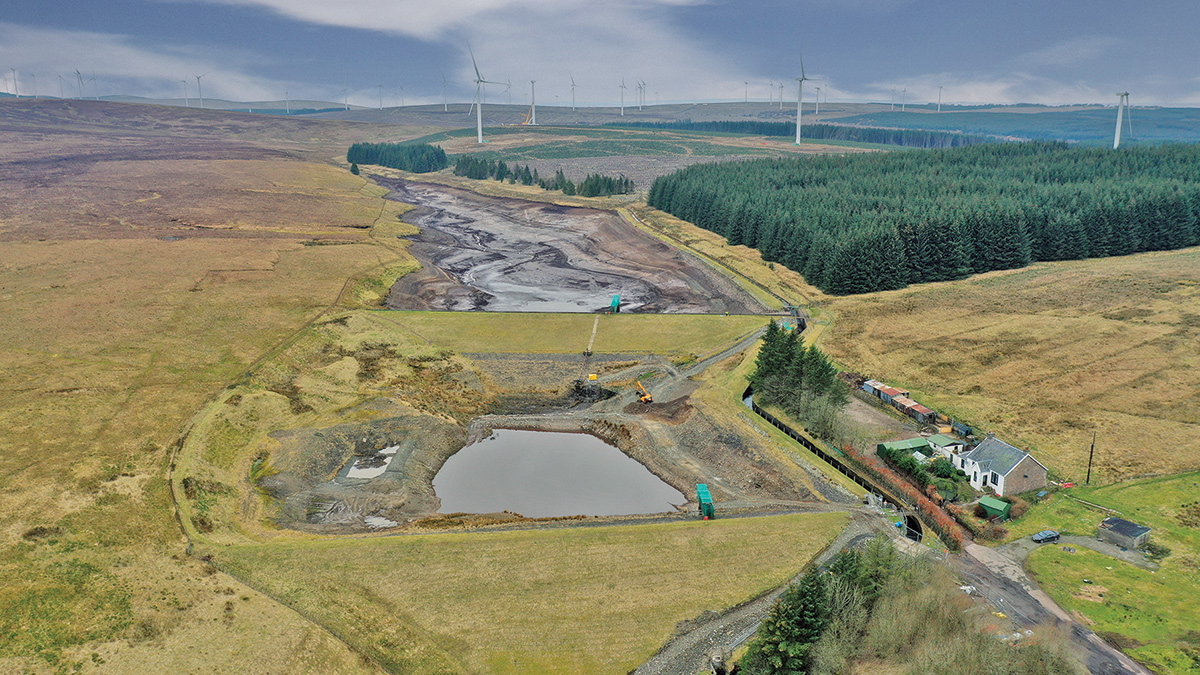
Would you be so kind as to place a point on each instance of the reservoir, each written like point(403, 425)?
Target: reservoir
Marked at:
point(541, 474)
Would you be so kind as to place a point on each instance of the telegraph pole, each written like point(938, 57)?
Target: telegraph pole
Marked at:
point(1091, 453)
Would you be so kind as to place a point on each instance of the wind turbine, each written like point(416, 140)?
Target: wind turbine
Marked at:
point(641, 94)
point(80, 78)
point(532, 103)
point(781, 94)
point(893, 100)
point(95, 85)
point(903, 98)
point(187, 103)
point(479, 82)
point(800, 99)
point(62, 92)
point(939, 98)
point(508, 92)
point(770, 92)
point(747, 94)
point(200, 91)
point(818, 101)
point(287, 102)
point(16, 92)
point(380, 88)
point(622, 97)
point(572, 93)
point(1122, 104)
point(445, 103)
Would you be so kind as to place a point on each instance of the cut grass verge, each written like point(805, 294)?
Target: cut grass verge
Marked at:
point(577, 600)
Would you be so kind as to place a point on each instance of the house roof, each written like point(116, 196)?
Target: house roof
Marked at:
point(875, 384)
point(942, 440)
point(903, 401)
point(890, 391)
point(1124, 527)
point(995, 455)
point(921, 409)
point(906, 444)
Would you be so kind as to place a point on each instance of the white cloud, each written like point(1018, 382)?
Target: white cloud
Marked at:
point(982, 88)
point(119, 66)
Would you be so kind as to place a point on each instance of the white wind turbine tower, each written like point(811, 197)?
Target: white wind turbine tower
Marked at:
point(95, 85)
point(572, 93)
point(401, 94)
point(533, 102)
point(1122, 104)
point(641, 94)
point(199, 91)
point(747, 92)
point(770, 92)
point(818, 101)
point(939, 98)
point(800, 99)
point(380, 88)
point(781, 94)
point(345, 98)
point(79, 77)
point(16, 92)
point(508, 92)
point(893, 100)
point(187, 103)
point(445, 101)
point(287, 102)
point(903, 98)
point(479, 82)
point(622, 97)
point(62, 92)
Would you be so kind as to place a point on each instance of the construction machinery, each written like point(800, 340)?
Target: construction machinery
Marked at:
point(644, 395)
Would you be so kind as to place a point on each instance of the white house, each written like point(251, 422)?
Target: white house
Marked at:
point(946, 446)
point(997, 465)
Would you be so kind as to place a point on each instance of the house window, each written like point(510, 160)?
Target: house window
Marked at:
point(975, 477)
point(995, 478)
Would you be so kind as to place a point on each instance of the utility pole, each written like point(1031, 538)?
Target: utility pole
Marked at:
point(1091, 453)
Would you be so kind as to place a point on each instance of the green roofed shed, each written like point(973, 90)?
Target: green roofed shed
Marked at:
point(908, 445)
point(995, 507)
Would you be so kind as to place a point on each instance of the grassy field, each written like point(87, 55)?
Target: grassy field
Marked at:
point(674, 334)
point(114, 336)
point(580, 600)
point(1154, 611)
point(1045, 356)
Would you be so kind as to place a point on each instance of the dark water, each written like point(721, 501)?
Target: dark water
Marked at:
point(542, 474)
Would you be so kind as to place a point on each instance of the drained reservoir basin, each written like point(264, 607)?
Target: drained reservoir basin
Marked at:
point(541, 474)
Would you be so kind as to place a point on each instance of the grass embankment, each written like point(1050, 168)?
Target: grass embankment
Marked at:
point(108, 347)
point(1047, 355)
point(1155, 612)
point(580, 600)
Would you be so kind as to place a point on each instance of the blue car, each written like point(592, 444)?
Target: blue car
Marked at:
point(1045, 537)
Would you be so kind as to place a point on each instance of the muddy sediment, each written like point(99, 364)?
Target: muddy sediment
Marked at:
point(495, 254)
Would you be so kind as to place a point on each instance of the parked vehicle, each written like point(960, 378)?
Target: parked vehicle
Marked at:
point(1045, 537)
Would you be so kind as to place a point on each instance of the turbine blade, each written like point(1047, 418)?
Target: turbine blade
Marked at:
point(478, 77)
point(802, 67)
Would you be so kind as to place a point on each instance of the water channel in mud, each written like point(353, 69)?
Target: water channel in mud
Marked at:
point(541, 474)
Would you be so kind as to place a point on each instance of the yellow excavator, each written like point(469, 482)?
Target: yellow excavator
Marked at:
point(644, 395)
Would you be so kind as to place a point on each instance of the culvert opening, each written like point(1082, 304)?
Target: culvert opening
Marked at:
point(543, 474)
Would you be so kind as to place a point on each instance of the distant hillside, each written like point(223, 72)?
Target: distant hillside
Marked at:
point(1090, 127)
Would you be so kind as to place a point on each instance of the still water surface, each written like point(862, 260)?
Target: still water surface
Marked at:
point(542, 474)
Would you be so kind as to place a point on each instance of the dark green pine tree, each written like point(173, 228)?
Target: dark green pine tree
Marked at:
point(354, 168)
point(791, 628)
point(773, 354)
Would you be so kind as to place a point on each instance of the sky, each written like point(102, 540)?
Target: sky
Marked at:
point(1055, 52)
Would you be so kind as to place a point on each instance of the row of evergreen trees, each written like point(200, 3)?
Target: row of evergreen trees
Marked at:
point(912, 138)
point(595, 185)
point(414, 157)
point(801, 380)
point(862, 223)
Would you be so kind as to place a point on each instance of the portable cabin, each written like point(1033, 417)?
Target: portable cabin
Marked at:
point(887, 393)
point(922, 414)
point(995, 507)
point(872, 387)
point(706, 503)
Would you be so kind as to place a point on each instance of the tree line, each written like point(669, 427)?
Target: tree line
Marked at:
point(801, 380)
point(880, 221)
point(594, 185)
point(912, 138)
point(875, 606)
point(414, 157)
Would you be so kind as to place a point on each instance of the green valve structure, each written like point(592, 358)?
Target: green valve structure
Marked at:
point(706, 504)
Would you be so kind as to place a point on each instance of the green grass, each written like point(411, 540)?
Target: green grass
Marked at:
point(577, 600)
point(1157, 608)
point(472, 332)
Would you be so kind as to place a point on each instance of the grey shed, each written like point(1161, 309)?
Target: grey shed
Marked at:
point(1123, 533)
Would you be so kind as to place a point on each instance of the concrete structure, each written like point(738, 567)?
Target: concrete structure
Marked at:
point(1123, 533)
point(1004, 469)
point(946, 446)
point(995, 507)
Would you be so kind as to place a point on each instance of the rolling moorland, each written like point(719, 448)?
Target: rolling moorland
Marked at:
point(254, 299)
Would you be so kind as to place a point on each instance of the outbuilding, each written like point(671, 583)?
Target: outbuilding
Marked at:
point(1123, 532)
point(995, 507)
point(946, 446)
point(908, 446)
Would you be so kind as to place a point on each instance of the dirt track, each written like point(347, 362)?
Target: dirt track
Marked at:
point(509, 255)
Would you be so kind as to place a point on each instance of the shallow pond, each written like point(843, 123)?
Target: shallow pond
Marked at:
point(541, 474)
